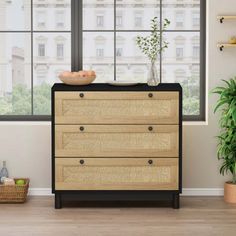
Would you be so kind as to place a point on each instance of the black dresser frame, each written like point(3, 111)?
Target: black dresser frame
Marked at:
point(117, 195)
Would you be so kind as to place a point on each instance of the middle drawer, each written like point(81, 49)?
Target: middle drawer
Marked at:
point(116, 140)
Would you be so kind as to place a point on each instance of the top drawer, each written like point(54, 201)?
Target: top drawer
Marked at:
point(116, 107)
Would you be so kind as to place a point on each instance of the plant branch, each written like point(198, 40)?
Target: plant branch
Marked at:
point(151, 45)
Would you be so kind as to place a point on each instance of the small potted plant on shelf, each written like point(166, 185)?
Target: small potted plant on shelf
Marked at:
point(226, 151)
point(152, 46)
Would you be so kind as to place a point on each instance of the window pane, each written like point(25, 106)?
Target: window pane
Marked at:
point(183, 15)
point(15, 74)
point(52, 15)
point(132, 64)
point(98, 14)
point(52, 55)
point(136, 16)
point(98, 55)
point(15, 15)
point(181, 63)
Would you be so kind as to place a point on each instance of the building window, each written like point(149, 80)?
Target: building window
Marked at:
point(180, 43)
point(41, 19)
point(196, 19)
point(180, 75)
point(119, 52)
point(179, 19)
point(196, 52)
point(100, 21)
point(60, 19)
point(119, 21)
point(179, 53)
point(41, 50)
point(196, 48)
point(100, 52)
point(138, 20)
point(60, 50)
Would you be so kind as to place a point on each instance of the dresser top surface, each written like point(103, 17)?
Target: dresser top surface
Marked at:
point(107, 87)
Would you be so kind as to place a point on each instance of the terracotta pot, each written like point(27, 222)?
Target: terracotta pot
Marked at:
point(230, 192)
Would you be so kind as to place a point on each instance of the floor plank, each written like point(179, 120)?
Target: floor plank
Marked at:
point(197, 216)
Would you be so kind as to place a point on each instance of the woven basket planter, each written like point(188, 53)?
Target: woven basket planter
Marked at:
point(15, 193)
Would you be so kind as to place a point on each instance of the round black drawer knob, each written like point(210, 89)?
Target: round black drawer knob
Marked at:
point(150, 162)
point(150, 95)
point(81, 128)
point(81, 162)
point(81, 95)
point(150, 128)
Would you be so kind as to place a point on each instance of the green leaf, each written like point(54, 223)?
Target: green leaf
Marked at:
point(219, 104)
point(227, 82)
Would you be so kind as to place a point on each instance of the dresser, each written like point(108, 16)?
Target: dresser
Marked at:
point(117, 143)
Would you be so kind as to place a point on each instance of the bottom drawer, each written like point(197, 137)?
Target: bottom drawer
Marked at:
point(116, 174)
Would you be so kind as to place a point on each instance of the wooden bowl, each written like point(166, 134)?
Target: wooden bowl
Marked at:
point(77, 80)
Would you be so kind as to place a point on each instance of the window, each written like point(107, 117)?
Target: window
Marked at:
point(60, 19)
point(124, 58)
point(180, 74)
point(103, 39)
point(138, 20)
point(196, 53)
point(41, 19)
point(179, 19)
point(27, 52)
point(100, 52)
point(41, 50)
point(119, 21)
point(180, 45)
point(119, 52)
point(100, 21)
point(196, 19)
point(195, 48)
point(60, 50)
point(179, 53)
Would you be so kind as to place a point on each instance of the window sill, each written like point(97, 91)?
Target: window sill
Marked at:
point(185, 123)
point(193, 123)
point(28, 123)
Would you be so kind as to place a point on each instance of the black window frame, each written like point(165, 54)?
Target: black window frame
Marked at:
point(77, 56)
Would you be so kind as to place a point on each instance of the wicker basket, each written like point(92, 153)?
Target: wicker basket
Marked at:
point(14, 193)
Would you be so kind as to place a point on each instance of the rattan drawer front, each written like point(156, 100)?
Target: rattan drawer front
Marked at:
point(116, 174)
point(116, 141)
point(116, 107)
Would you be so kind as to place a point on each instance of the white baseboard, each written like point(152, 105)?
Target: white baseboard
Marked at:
point(203, 192)
point(186, 192)
point(40, 191)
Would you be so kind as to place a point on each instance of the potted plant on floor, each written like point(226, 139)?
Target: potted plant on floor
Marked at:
point(226, 151)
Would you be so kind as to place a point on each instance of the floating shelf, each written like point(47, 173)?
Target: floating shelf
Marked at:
point(222, 18)
point(221, 46)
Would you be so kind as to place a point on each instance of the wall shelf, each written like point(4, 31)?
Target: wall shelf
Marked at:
point(222, 18)
point(221, 46)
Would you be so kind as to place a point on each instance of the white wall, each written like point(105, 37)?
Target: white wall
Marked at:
point(26, 147)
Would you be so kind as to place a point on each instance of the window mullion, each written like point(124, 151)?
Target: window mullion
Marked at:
point(114, 40)
point(161, 32)
point(76, 35)
point(32, 60)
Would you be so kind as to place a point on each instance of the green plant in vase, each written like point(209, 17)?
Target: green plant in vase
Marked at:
point(152, 46)
point(226, 151)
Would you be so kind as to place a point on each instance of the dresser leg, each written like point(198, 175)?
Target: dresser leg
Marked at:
point(175, 201)
point(58, 203)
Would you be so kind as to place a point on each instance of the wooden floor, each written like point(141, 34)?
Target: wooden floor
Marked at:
point(197, 216)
